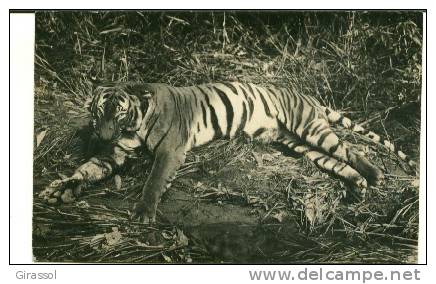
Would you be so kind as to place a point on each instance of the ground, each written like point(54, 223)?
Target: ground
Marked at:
point(233, 201)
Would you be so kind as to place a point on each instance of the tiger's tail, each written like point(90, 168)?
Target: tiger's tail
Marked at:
point(335, 117)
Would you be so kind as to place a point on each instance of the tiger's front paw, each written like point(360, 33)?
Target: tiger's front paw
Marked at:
point(62, 190)
point(144, 213)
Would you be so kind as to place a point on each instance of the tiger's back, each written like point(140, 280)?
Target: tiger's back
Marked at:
point(206, 112)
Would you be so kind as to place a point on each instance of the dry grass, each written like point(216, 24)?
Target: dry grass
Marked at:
point(279, 209)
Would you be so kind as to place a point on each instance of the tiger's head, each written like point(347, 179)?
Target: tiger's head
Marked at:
point(114, 110)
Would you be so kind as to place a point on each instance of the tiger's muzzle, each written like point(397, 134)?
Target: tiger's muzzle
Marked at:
point(108, 130)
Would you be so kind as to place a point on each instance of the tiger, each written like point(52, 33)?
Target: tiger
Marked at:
point(170, 121)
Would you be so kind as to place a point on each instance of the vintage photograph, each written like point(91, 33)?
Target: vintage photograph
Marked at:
point(227, 137)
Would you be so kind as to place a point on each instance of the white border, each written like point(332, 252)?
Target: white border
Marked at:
point(222, 4)
point(21, 159)
point(22, 48)
point(423, 214)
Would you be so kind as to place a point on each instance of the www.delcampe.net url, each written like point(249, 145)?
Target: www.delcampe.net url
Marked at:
point(335, 275)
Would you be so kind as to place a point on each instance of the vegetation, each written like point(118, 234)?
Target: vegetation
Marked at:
point(283, 209)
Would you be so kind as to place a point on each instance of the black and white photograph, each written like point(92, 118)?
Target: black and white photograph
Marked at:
point(227, 136)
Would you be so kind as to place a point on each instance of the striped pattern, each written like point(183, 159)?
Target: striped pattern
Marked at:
point(200, 114)
point(170, 121)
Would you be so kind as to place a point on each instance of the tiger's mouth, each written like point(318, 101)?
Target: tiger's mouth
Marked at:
point(109, 137)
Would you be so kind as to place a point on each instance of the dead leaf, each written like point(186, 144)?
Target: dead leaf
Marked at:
point(68, 104)
point(82, 204)
point(167, 258)
point(309, 211)
point(415, 183)
point(118, 182)
point(310, 208)
point(268, 157)
point(199, 185)
point(112, 238)
point(182, 239)
point(39, 137)
point(280, 216)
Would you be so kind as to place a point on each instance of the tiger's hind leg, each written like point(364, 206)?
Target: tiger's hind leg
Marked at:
point(325, 162)
point(319, 134)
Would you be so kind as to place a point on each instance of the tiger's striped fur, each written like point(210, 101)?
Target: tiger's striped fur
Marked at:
point(170, 121)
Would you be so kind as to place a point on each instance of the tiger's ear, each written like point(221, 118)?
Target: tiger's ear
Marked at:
point(135, 101)
point(138, 89)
